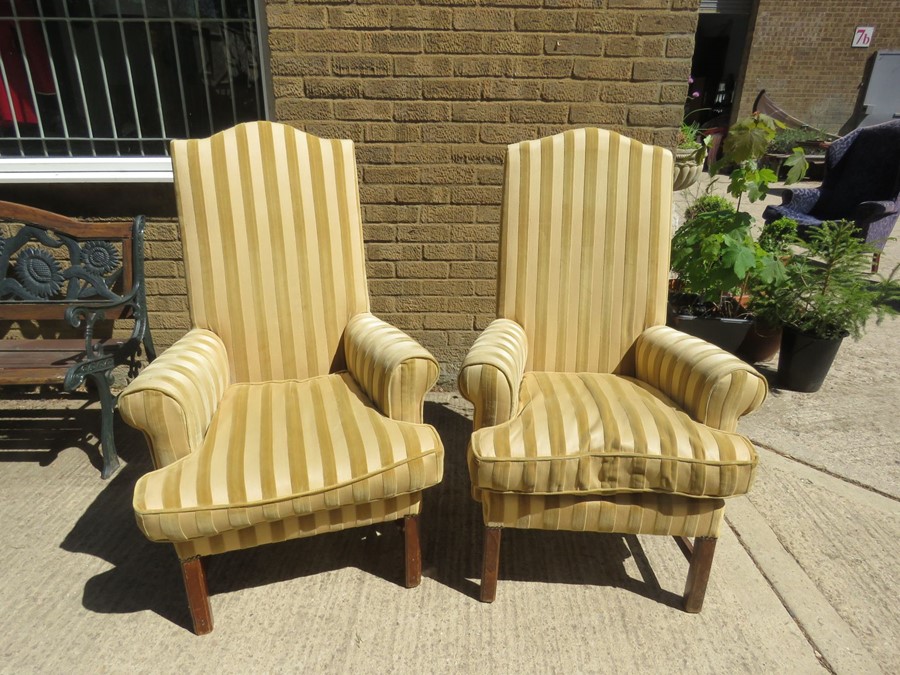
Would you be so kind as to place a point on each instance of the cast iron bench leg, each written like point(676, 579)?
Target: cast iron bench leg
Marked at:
point(107, 413)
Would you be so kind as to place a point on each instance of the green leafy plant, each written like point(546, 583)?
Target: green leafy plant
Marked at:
point(687, 136)
point(706, 204)
point(786, 140)
point(778, 236)
point(827, 291)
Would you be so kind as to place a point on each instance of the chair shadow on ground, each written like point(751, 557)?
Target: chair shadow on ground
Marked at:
point(146, 576)
point(35, 429)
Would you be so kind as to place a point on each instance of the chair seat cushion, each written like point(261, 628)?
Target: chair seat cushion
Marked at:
point(287, 448)
point(605, 434)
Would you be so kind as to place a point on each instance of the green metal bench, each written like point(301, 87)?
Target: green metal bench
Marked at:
point(56, 269)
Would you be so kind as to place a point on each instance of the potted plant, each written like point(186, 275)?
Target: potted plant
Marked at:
point(714, 255)
point(826, 295)
point(764, 337)
point(689, 155)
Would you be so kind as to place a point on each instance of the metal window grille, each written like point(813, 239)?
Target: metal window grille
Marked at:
point(120, 78)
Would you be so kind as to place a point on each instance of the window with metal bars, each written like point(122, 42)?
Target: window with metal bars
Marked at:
point(120, 78)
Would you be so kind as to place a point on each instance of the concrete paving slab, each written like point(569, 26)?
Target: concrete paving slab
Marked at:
point(83, 591)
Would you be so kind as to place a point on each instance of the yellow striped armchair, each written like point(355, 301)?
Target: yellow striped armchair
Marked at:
point(591, 414)
point(288, 409)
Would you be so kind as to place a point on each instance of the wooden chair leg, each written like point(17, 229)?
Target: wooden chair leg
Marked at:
point(491, 564)
point(194, 572)
point(698, 573)
point(413, 551)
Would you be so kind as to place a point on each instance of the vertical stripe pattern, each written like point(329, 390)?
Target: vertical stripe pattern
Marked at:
point(277, 450)
point(492, 371)
point(273, 248)
point(390, 367)
point(584, 248)
point(174, 398)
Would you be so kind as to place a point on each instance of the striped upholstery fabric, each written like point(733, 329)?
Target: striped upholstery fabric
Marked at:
point(297, 527)
point(590, 414)
point(584, 249)
point(713, 386)
point(175, 397)
point(282, 449)
point(492, 371)
point(391, 367)
point(272, 236)
point(636, 513)
point(603, 434)
point(259, 431)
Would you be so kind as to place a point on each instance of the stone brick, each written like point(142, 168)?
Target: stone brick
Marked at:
point(420, 17)
point(399, 89)
point(466, 66)
point(328, 41)
point(454, 43)
point(588, 45)
point(506, 133)
point(450, 133)
point(629, 92)
point(392, 133)
point(448, 175)
point(514, 43)
point(597, 114)
point(673, 93)
point(681, 46)
point(477, 233)
point(483, 19)
point(392, 43)
point(300, 65)
point(332, 87)
point(666, 23)
point(546, 21)
point(448, 252)
point(358, 17)
point(447, 214)
point(422, 270)
point(535, 113)
point(295, 17)
point(374, 154)
point(660, 70)
point(477, 154)
point(363, 110)
point(287, 87)
point(395, 252)
point(570, 91)
point(473, 270)
point(487, 194)
point(602, 69)
point(420, 194)
point(493, 175)
point(390, 214)
point(365, 66)
point(654, 116)
point(423, 66)
point(539, 67)
point(425, 233)
point(606, 22)
point(422, 154)
point(451, 89)
point(391, 174)
point(488, 252)
point(448, 321)
point(329, 129)
point(282, 40)
point(511, 90)
point(422, 112)
point(638, 4)
point(299, 109)
point(380, 269)
point(480, 112)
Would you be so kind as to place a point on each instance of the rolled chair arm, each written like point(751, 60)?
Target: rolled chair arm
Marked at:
point(492, 372)
point(866, 212)
point(711, 385)
point(394, 370)
point(174, 399)
point(800, 199)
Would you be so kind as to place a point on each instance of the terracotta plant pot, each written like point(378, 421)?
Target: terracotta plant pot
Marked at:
point(761, 344)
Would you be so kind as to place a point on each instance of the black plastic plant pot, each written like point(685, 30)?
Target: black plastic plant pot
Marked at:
point(805, 360)
point(725, 333)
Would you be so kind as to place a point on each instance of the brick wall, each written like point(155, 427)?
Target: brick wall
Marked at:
point(433, 90)
point(802, 56)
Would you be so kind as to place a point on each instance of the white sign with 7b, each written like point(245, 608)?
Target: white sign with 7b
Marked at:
point(863, 36)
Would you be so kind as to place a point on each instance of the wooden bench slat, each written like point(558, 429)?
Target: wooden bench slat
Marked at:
point(47, 375)
point(52, 345)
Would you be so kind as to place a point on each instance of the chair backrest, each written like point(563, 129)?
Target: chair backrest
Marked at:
point(584, 252)
point(862, 166)
point(273, 246)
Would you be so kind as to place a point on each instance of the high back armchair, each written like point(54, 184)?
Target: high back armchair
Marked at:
point(591, 414)
point(288, 409)
point(861, 183)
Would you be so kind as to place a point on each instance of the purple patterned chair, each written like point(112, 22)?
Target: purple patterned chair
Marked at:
point(861, 183)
